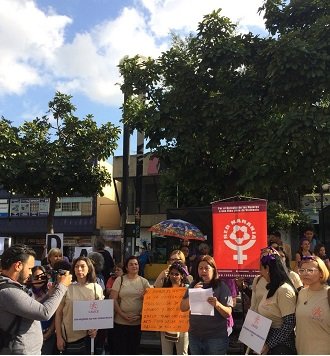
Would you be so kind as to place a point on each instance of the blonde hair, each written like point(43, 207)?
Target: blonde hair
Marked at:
point(180, 253)
point(321, 266)
point(54, 251)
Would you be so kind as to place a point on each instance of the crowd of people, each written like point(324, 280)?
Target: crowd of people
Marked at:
point(38, 300)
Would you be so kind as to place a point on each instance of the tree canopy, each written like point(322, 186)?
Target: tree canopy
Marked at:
point(56, 155)
point(238, 114)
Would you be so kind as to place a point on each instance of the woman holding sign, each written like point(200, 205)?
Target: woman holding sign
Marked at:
point(278, 304)
point(208, 333)
point(84, 287)
point(177, 277)
point(127, 293)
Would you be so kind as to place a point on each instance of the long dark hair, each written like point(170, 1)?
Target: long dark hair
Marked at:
point(277, 274)
point(91, 276)
point(180, 267)
point(43, 280)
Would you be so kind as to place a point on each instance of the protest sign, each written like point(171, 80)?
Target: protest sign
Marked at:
point(254, 331)
point(92, 314)
point(161, 310)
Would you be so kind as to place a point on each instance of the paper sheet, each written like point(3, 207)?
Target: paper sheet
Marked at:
point(198, 301)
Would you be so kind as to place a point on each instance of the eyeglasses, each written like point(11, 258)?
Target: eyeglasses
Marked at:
point(307, 270)
point(175, 259)
point(175, 274)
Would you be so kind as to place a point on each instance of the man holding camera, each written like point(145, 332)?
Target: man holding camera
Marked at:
point(17, 262)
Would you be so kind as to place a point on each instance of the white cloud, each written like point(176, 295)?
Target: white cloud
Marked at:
point(33, 51)
point(28, 38)
point(184, 15)
point(90, 62)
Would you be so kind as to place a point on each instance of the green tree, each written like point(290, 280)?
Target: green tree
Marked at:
point(232, 114)
point(56, 155)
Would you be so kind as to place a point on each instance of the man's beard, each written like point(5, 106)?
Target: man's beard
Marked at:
point(20, 278)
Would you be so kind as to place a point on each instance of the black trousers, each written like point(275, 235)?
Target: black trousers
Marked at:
point(126, 339)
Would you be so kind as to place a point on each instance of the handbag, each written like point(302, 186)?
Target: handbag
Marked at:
point(79, 347)
point(121, 283)
point(172, 336)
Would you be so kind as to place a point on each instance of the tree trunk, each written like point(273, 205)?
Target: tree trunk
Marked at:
point(50, 218)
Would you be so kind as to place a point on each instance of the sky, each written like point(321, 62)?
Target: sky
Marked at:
point(74, 46)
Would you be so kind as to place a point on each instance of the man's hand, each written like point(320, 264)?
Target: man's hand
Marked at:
point(65, 279)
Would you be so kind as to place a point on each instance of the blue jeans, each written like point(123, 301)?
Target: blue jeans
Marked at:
point(202, 346)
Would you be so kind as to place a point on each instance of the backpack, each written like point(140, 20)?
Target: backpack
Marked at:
point(6, 336)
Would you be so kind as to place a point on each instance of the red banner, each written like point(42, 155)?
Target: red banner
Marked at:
point(239, 232)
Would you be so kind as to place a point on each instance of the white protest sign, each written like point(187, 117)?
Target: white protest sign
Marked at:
point(254, 331)
point(82, 251)
point(54, 241)
point(92, 314)
point(5, 242)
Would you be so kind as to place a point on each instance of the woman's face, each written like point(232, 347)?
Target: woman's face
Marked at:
point(81, 270)
point(305, 245)
point(132, 266)
point(118, 272)
point(309, 273)
point(175, 276)
point(38, 275)
point(264, 272)
point(53, 258)
point(205, 271)
point(322, 251)
point(175, 258)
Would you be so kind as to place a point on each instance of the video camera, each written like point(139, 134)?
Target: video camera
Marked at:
point(53, 273)
point(45, 277)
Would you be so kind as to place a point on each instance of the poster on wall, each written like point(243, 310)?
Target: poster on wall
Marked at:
point(15, 207)
point(4, 208)
point(25, 207)
point(239, 232)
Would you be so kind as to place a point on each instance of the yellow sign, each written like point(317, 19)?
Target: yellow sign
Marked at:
point(161, 310)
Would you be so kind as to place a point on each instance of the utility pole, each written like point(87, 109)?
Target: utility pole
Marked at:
point(138, 182)
point(124, 187)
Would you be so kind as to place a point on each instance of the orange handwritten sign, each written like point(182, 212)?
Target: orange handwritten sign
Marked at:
point(161, 310)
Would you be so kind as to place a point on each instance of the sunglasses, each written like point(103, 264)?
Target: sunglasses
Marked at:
point(308, 258)
point(175, 274)
point(39, 277)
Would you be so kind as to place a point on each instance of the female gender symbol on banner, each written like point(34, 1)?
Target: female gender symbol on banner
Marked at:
point(239, 232)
